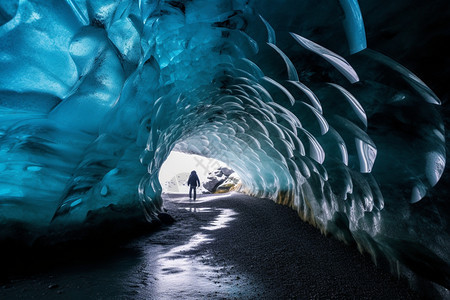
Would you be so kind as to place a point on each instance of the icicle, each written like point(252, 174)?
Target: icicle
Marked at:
point(310, 94)
point(336, 60)
point(282, 88)
point(322, 122)
point(270, 32)
point(315, 150)
point(414, 81)
point(356, 106)
point(292, 72)
point(354, 25)
point(366, 154)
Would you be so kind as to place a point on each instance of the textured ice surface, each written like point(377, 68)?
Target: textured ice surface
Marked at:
point(95, 94)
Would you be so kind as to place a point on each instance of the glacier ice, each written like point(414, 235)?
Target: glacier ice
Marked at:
point(95, 94)
point(336, 60)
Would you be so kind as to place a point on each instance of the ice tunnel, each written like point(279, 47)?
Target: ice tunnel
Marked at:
point(95, 94)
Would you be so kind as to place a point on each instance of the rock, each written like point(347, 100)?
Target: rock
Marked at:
point(229, 184)
point(226, 171)
point(219, 180)
point(165, 218)
point(218, 172)
point(212, 184)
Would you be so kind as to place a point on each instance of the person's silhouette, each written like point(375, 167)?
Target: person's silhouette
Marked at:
point(193, 182)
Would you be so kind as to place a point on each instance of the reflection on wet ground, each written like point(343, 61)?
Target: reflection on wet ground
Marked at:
point(225, 216)
point(219, 248)
point(183, 272)
point(165, 264)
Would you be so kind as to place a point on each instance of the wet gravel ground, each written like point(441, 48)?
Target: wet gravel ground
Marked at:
point(221, 247)
point(292, 260)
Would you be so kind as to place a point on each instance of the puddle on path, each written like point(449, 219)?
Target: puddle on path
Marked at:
point(222, 219)
point(168, 264)
point(201, 199)
point(183, 272)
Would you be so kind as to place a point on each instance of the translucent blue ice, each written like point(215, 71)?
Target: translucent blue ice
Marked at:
point(354, 25)
point(95, 94)
point(292, 72)
point(336, 60)
point(271, 37)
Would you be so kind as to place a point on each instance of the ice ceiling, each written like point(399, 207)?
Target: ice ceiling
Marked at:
point(94, 95)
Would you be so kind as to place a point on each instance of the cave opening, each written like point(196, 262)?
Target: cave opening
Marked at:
point(212, 173)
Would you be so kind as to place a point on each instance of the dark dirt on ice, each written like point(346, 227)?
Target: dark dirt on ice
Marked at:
point(229, 246)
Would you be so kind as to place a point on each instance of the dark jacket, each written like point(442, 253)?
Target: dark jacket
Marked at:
point(193, 179)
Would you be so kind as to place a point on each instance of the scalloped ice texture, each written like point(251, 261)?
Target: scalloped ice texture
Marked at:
point(94, 95)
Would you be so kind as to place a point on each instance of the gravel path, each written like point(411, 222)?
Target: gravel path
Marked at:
point(290, 259)
point(221, 247)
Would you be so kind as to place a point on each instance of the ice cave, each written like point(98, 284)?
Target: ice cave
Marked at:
point(316, 105)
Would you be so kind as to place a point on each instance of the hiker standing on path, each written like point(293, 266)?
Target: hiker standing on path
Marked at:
point(193, 182)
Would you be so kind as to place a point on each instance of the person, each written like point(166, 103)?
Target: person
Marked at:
point(193, 182)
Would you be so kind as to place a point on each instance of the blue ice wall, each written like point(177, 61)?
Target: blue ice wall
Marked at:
point(95, 94)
